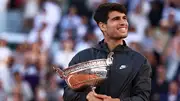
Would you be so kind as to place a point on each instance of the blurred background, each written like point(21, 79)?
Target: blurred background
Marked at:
point(38, 34)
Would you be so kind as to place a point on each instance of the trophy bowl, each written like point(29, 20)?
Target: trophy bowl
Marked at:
point(86, 74)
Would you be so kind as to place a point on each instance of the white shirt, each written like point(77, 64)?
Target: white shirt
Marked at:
point(31, 8)
point(62, 58)
point(174, 11)
point(5, 77)
point(3, 6)
point(5, 53)
point(51, 17)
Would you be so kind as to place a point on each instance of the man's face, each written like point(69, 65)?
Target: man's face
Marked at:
point(116, 27)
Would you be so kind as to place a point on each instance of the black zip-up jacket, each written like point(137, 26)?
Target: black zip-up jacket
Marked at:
point(132, 83)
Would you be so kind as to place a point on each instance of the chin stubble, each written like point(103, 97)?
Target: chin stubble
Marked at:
point(119, 38)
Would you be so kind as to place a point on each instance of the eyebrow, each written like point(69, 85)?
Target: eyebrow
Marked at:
point(118, 17)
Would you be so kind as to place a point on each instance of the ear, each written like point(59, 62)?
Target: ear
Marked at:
point(102, 26)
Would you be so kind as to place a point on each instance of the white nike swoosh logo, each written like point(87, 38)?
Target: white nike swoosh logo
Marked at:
point(122, 67)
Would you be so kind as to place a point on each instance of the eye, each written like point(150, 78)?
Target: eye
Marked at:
point(116, 18)
point(125, 17)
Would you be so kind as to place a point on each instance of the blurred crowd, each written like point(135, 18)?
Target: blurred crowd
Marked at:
point(57, 29)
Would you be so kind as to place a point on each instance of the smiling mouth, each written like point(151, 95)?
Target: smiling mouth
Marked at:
point(122, 29)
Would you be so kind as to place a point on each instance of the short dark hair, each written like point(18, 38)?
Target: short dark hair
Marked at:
point(101, 13)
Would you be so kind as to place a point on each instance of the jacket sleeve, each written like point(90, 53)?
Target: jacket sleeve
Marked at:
point(141, 84)
point(69, 94)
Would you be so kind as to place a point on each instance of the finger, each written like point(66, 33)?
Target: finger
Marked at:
point(101, 96)
point(93, 98)
point(87, 97)
point(106, 100)
point(90, 94)
point(111, 99)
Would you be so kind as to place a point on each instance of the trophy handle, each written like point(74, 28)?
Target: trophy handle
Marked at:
point(60, 72)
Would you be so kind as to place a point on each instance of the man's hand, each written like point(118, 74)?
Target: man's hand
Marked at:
point(105, 97)
point(111, 99)
point(92, 96)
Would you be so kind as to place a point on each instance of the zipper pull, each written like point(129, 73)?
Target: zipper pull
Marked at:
point(109, 59)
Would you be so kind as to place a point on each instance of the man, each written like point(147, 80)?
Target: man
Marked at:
point(129, 75)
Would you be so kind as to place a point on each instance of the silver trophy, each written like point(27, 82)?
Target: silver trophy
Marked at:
point(87, 74)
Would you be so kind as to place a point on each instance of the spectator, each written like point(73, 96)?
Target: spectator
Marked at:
point(4, 5)
point(45, 24)
point(173, 57)
point(71, 20)
point(82, 28)
point(5, 75)
point(64, 55)
point(54, 93)
point(173, 92)
point(23, 87)
point(140, 12)
point(155, 13)
point(161, 37)
point(3, 95)
point(160, 85)
point(31, 9)
point(41, 94)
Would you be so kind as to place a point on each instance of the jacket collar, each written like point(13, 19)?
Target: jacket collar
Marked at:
point(104, 47)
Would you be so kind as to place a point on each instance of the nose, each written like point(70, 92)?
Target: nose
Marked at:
point(123, 24)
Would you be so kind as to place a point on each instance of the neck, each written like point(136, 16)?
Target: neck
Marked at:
point(113, 43)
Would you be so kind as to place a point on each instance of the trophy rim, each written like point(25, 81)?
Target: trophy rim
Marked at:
point(84, 66)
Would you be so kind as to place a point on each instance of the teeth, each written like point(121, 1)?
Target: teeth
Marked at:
point(123, 29)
